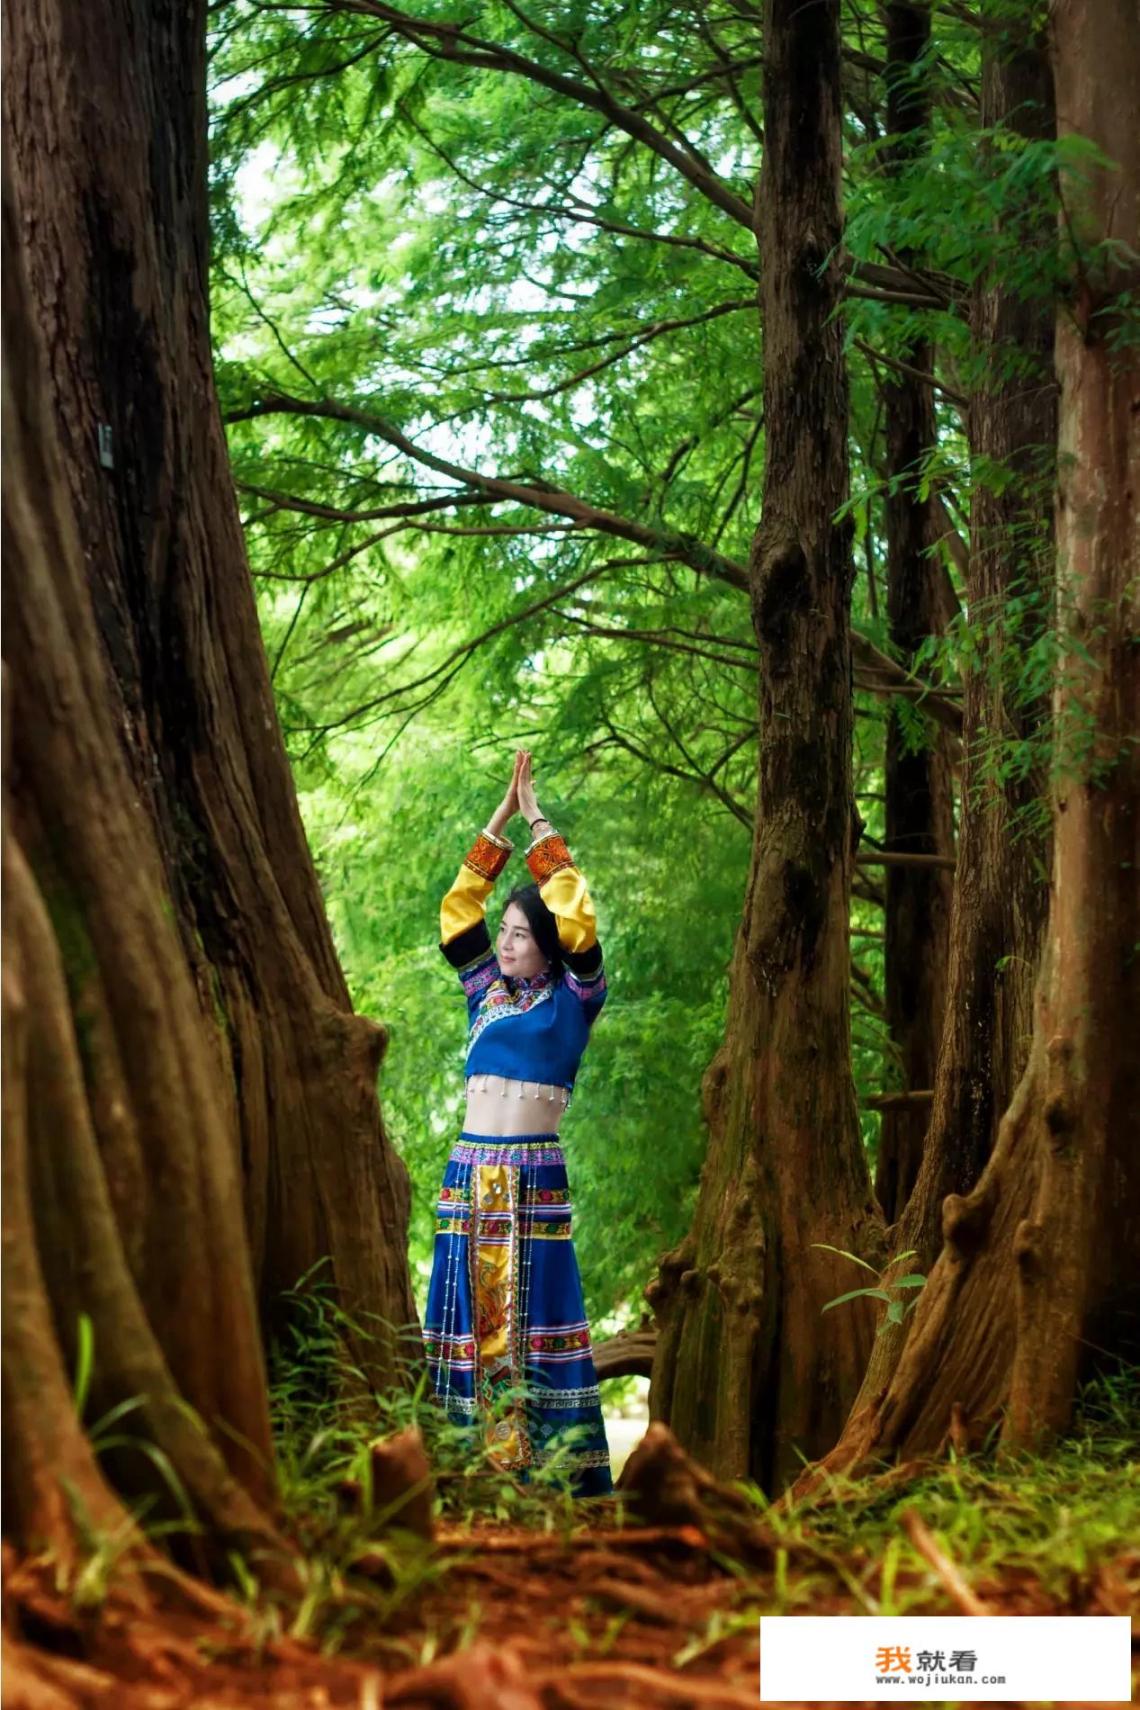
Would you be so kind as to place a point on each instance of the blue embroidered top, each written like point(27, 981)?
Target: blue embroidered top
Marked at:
point(525, 1029)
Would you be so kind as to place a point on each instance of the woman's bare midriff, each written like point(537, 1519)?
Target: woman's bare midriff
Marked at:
point(496, 1105)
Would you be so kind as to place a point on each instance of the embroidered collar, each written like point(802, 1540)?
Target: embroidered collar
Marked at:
point(510, 994)
point(518, 984)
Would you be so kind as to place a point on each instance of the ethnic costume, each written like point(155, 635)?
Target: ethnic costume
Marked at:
point(506, 1337)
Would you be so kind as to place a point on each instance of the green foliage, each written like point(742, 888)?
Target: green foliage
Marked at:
point(894, 1291)
point(324, 1421)
point(484, 306)
point(995, 1513)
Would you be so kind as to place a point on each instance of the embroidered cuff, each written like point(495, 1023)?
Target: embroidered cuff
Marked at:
point(488, 855)
point(546, 856)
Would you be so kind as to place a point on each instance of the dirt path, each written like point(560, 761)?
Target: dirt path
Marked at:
point(489, 1620)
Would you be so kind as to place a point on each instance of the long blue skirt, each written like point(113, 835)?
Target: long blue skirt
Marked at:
point(505, 1332)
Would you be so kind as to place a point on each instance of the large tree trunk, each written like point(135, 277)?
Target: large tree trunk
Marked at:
point(1078, 1253)
point(110, 1085)
point(1000, 898)
point(178, 1017)
point(1036, 1285)
point(747, 1370)
point(105, 116)
point(1000, 894)
point(918, 778)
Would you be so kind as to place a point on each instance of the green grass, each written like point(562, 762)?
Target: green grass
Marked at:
point(322, 1428)
point(1001, 1516)
point(1041, 1523)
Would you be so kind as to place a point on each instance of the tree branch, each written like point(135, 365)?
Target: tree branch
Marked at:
point(911, 373)
point(895, 678)
point(658, 639)
point(459, 656)
point(575, 211)
point(654, 330)
point(376, 513)
point(889, 858)
point(453, 42)
point(658, 765)
point(552, 500)
point(707, 778)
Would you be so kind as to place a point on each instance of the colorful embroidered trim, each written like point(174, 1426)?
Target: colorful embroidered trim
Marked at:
point(449, 1347)
point(584, 1458)
point(529, 1196)
point(487, 858)
point(587, 991)
point(501, 1000)
point(490, 1235)
point(557, 1400)
point(567, 1341)
point(549, 855)
point(479, 974)
point(507, 1152)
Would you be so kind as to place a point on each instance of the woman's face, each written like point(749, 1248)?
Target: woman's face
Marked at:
point(517, 950)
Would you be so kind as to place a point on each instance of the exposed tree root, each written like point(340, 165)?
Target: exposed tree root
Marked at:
point(665, 1484)
point(644, 1620)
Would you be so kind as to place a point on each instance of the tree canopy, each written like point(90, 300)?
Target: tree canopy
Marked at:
point(485, 302)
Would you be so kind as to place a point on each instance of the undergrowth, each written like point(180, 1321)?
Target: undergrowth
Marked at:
point(324, 1420)
point(1049, 1519)
point(1042, 1522)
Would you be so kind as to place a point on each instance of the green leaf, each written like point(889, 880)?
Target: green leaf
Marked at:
point(857, 1294)
point(844, 1254)
point(84, 1362)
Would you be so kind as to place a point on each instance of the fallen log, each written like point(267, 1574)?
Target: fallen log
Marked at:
point(629, 1354)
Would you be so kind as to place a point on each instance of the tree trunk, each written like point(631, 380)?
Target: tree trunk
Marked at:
point(92, 976)
point(106, 123)
point(918, 779)
point(999, 903)
point(1000, 891)
point(1078, 1253)
point(178, 1016)
point(1036, 1285)
point(747, 1370)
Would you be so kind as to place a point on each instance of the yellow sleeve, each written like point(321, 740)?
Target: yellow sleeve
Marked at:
point(465, 904)
point(563, 890)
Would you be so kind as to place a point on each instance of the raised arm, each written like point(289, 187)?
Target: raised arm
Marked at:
point(464, 938)
point(563, 890)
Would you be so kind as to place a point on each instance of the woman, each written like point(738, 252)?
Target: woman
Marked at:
point(506, 1333)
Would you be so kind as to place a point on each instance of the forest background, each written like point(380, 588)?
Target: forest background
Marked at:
point(820, 620)
point(518, 290)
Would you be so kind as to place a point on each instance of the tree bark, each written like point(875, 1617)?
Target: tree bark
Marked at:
point(1000, 895)
point(92, 974)
point(1078, 1252)
point(748, 1370)
point(919, 810)
point(1000, 899)
point(105, 118)
point(1036, 1285)
point(178, 1019)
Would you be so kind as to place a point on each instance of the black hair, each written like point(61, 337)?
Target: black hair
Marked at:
point(541, 922)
